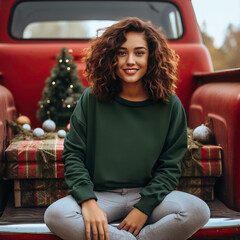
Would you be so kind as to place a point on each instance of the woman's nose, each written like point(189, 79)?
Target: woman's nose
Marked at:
point(130, 59)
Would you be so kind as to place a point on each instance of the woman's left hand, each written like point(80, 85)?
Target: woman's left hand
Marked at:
point(134, 222)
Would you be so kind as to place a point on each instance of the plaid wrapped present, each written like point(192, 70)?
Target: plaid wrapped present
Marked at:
point(36, 192)
point(34, 170)
point(202, 187)
point(203, 161)
point(43, 159)
point(42, 193)
point(34, 159)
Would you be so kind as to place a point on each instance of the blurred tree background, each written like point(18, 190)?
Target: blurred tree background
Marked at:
point(227, 56)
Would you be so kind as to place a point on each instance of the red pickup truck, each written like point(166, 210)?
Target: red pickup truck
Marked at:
point(32, 33)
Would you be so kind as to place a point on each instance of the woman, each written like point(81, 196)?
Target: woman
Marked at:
point(127, 138)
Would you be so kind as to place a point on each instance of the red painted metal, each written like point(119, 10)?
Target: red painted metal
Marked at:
point(29, 237)
point(24, 66)
point(35, 59)
point(230, 75)
point(7, 112)
point(202, 234)
point(216, 233)
point(221, 103)
point(25, 76)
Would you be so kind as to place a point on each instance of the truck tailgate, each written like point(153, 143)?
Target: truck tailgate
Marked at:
point(27, 223)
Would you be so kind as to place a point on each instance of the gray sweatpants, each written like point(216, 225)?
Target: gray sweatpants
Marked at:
point(177, 217)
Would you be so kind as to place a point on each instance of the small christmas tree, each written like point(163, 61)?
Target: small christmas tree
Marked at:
point(61, 92)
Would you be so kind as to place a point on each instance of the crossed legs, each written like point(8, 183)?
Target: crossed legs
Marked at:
point(177, 217)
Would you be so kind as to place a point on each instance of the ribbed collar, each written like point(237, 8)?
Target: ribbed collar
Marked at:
point(132, 103)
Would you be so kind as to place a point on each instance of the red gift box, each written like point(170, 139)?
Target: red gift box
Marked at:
point(203, 161)
point(34, 159)
point(38, 193)
point(32, 170)
point(43, 159)
point(202, 187)
point(35, 150)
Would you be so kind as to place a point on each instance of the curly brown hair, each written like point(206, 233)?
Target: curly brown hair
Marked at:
point(101, 61)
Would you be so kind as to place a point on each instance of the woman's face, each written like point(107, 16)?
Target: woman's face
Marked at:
point(132, 58)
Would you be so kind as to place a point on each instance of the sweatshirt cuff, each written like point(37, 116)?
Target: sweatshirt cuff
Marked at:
point(147, 205)
point(83, 193)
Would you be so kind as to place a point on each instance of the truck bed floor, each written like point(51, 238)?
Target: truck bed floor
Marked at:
point(13, 215)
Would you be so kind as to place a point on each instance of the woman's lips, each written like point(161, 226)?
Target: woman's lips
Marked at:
point(130, 71)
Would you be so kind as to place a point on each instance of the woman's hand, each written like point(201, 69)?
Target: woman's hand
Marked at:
point(96, 219)
point(134, 222)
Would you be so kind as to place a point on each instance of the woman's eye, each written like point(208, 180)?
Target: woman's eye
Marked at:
point(121, 54)
point(140, 53)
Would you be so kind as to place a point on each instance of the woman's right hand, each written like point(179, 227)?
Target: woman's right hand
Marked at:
point(96, 219)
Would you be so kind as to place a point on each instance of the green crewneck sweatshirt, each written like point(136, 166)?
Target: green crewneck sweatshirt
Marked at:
point(125, 144)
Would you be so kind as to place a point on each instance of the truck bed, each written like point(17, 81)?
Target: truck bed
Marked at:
point(20, 222)
point(13, 215)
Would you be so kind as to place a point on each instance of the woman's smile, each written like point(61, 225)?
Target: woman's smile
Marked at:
point(130, 71)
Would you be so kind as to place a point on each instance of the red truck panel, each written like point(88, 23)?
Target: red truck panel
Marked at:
point(29, 237)
point(210, 234)
point(27, 63)
point(25, 75)
point(221, 103)
point(7, 112)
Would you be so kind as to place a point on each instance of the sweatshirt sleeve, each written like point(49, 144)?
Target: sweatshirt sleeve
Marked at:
point(167, 170)
point(76, 175)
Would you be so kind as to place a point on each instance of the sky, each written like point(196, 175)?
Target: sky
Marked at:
point(217, 14)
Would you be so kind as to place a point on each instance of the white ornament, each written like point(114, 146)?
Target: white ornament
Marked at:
point(26, 126)
point(202, 134)
point(49, 125)
point(38, 132)
point(61, 133)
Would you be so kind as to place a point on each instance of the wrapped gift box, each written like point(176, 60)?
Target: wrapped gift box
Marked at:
point(43, 192)
point(43, 159)
point(40, 193)
point(202, 187)
point(33, 170)
point(34, 159)
point(203, 161)
point(35, 150)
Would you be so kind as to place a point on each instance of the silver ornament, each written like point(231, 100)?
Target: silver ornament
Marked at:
point(61, 133)
point(69, 91)
point(38, 132)
point(202, 134)
point(49, 125)
point(26, 126)
point(69, 100)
